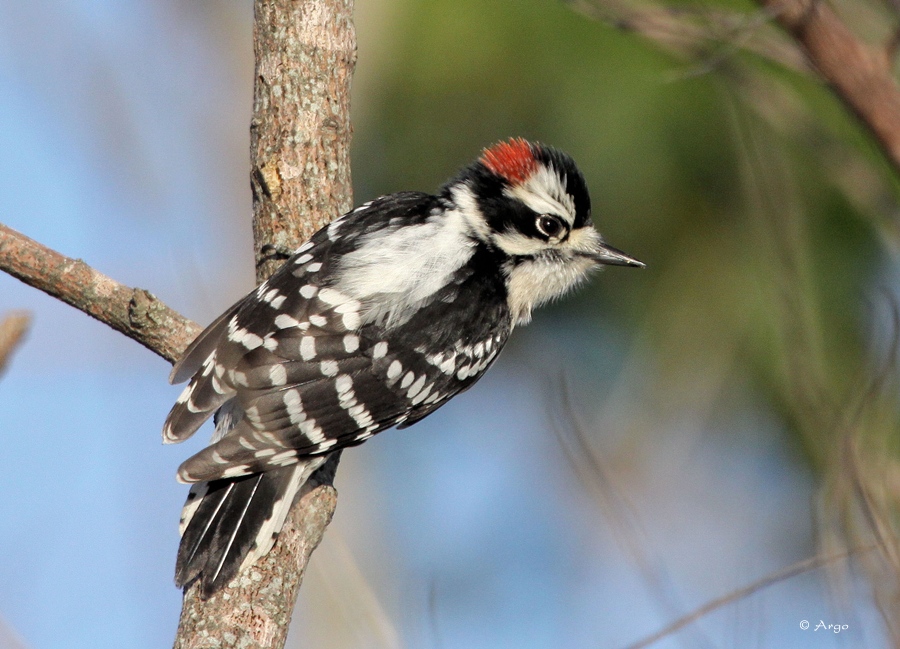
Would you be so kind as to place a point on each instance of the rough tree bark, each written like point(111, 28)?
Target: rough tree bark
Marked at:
point(300, 131)
point(300, 137)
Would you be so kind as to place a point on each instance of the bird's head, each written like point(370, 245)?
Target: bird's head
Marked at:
point(530, 203)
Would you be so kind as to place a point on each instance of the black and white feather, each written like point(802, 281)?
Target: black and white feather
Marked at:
point(376, 322)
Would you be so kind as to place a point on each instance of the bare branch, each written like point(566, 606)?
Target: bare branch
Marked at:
point(12, 332)
point(859, 74)
point(131, 311)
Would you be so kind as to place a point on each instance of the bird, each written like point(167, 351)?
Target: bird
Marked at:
point(378, 320)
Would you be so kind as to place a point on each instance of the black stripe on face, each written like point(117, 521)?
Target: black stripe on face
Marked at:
point(575, 185)
point(504, 214)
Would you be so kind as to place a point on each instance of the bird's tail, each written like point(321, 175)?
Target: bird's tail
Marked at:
point(228, 524)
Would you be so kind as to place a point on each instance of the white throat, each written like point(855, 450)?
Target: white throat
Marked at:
point(538, 280)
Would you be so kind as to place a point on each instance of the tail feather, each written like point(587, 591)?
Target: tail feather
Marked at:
point(242, 513)
point(229, 524)
point(220, 531)
point(199, 520)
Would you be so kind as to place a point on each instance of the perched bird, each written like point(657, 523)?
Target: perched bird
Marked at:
point(377, 321)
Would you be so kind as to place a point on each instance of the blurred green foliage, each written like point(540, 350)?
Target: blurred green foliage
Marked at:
point(766, 214)
point(757, 258)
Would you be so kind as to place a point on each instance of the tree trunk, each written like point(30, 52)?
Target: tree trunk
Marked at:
point(300, 162)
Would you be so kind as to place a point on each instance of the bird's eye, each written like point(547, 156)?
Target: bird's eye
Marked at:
point(549, 226)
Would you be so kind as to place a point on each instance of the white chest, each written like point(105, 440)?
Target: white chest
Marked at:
point(393, 273)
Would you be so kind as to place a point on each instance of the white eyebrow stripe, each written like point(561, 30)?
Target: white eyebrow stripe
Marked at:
point(545, 193)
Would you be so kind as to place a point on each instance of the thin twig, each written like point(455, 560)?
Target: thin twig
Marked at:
point(573, 439)
point(787, 573)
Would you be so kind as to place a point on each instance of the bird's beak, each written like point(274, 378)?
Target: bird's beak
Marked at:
point(610, 256)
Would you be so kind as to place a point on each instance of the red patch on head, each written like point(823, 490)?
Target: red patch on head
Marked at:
point(511, 160)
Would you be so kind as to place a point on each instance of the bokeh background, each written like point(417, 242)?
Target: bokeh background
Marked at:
point(662, 438)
